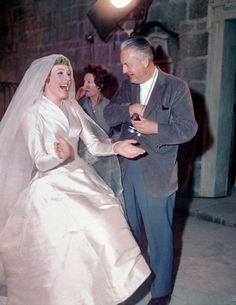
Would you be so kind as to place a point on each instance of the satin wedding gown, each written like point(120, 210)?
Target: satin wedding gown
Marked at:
point(66, 241)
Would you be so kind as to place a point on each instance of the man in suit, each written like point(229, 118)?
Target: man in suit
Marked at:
point(156, 109)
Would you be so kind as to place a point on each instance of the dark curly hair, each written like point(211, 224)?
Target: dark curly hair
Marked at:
point(100, 74)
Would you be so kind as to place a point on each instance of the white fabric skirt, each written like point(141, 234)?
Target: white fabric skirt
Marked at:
point(67, 243)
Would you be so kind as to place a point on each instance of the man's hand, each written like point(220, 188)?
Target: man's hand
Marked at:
point(127, 149)
point(136, 108)
point(145, 126)
point(62, 148)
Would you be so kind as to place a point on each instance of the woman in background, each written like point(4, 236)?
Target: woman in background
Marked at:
point(90, 95)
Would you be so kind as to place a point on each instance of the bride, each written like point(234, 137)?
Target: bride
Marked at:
point(63, 237)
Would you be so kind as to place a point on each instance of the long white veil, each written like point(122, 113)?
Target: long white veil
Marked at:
point(15, 163)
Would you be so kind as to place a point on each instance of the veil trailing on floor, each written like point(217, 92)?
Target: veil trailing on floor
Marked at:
point(16, 165)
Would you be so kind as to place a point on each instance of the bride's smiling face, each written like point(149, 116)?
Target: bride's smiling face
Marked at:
point(58, 83)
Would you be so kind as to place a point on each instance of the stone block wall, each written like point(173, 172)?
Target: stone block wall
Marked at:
point(30, 29)
point(188, 18)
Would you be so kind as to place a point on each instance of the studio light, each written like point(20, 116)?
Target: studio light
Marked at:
point(105, 15)
point(120, 3)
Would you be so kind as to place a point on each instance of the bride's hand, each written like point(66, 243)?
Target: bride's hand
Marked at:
point(127, 149)
point(62, 148)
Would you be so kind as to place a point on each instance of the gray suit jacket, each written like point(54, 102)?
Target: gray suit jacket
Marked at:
point(170, 105)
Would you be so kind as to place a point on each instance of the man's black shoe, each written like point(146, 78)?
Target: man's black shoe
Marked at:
point(160, 301)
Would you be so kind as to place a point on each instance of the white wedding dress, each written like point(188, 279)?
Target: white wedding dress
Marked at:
point(66, 241)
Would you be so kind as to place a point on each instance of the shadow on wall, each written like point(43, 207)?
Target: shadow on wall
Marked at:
point(193, 150)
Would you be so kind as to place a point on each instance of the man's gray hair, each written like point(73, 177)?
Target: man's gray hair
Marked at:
point(139, 43)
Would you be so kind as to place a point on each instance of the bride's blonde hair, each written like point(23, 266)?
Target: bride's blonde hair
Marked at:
point(62, 60)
